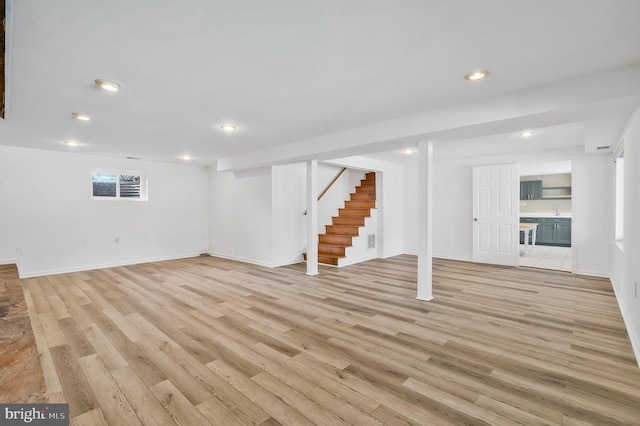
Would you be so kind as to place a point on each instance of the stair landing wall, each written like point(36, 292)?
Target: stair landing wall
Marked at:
point(359, 252)
point(334, 198)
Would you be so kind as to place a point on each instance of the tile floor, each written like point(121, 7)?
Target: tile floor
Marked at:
point(546, 257)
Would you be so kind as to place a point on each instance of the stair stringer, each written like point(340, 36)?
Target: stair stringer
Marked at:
point(358, 251)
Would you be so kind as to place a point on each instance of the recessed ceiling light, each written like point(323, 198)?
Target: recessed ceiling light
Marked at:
point(408, 151)
point(80, 116)
point(476, 75)
point(72, 143)
point(229, 127)
point(111, 86)
point(527, 133)
point(186, 157)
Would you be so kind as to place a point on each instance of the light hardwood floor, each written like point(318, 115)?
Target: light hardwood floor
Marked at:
point(207, 340)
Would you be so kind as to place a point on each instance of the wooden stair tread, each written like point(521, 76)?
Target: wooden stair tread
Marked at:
point(360, 204)
point(345, 226)
point(354, 212)
point(352, 220)
point(334, 256)
point(366, 188)
point(335, 239)
point(343, 233)
point(333, 245)
point(364, 196)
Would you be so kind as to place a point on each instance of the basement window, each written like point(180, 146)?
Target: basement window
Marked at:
point(118, 185)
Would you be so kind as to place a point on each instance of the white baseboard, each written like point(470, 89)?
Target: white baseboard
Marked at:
point(8, 261)
point(445, 257)
point(388, 255)
point(347, 262)
point(40, 273)
point(458, 258)
point(633, 335)
point(593, 274)
point(243, 259)
point(299, 259)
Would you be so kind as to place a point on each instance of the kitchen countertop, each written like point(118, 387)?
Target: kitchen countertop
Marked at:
point(544, 214)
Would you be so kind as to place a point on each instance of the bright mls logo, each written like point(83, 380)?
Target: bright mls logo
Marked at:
point(35, 414)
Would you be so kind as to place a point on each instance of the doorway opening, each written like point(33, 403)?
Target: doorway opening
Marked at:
point(546, 212)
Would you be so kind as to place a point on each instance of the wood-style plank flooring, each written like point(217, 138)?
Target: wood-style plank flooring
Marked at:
point(211, 341)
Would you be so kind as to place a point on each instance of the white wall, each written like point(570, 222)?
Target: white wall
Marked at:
point(240, 221)
point(289, 201)
point(360, 250)
point(592, 224)
point(48, 215)
point(452, 211)
point(451, 207)
point(626, 276)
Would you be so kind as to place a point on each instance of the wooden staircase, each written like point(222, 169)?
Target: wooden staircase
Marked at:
point(332, 245)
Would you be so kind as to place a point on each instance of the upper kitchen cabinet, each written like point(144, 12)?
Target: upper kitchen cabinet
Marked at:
point(546, 187)
point(531, 190)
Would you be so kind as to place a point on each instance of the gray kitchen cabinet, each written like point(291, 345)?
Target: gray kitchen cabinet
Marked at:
point(552, 231)
point(546, 233)
point(531, 190)
point(563, 232)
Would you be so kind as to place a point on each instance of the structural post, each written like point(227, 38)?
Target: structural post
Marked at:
point(425, 222)
point(312, 217)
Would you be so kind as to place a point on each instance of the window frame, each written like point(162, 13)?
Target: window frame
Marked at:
point(618, 159)
point(118, 173)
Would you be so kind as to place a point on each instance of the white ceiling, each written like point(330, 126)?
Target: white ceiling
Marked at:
point(284, 71)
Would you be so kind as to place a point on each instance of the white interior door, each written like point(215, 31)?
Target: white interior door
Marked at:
point(496, 228)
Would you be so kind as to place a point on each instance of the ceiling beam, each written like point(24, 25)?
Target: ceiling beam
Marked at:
point(613, 92)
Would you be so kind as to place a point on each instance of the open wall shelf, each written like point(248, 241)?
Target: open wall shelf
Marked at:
point(556, 193)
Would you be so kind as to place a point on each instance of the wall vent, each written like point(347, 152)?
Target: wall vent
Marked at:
point(371, 240)
point(600, 148)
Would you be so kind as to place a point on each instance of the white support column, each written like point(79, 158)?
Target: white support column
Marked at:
point(425, 222)
point(312, 217)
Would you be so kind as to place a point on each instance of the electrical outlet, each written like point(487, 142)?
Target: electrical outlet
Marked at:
point(19, 251)
point(116, 240)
